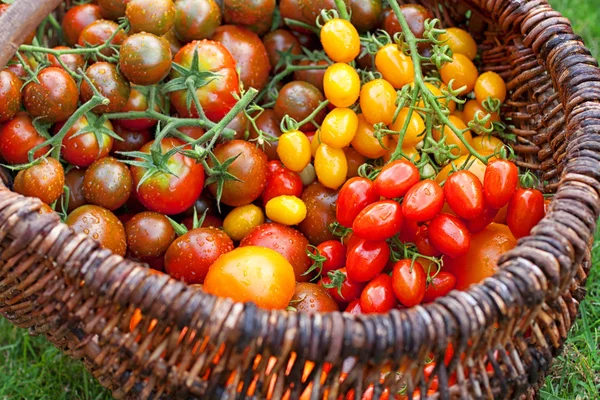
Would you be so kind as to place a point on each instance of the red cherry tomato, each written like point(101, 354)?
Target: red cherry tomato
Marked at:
point(482, 221)
point(449, 235)
point(354, 196)
point(379, 221)
point(464, 194)
point(378, 296)
point(335, 253)
point(525, 210)
point(409, 282)
point(409, 231)
point(500, 182)
point(284, 182)
point(365, 260)
point(354, 308)
point(396, 178)
point(340, 288)
point(424, 244)
point(274, 166)
point(423, 201)
point(440, 285)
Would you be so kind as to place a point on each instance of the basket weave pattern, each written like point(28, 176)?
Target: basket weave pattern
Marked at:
point(504, 331)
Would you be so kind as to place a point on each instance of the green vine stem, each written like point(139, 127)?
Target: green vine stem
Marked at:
point(289, 68)
point(342, 9)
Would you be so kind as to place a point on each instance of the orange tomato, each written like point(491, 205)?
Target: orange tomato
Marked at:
point(452, 138)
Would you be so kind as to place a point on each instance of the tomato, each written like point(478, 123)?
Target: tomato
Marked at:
point(354, 160)
point(145, 59)
point(287, 210)
point(413, 134)
point(254, 274)
point(17, 137)
point(378, 296)
point(83, 150)
point(44, 180)
point(500, 182)
point(354, 308)
point(315, 77)
point(99, 32)
point(107, 183)
point(340, 288)
point(256, 15)
point(460, 42)
point(490, 84)
point(339, 127)
point(331, 166)
point(101, 225)
point(440, 285)
point(54, 98)
point(196, 19)
point(268, 123)
point(452, 139)
point(424, 245)
point(72, 61)
point(482, 221)
point(112, 9)
point(149, 235)
point(462, 70)
point(415, 15)
point(151, 16)
point(396, 178)
point(480, 262)
point(379, 221)
point(217, 96)
point(10, 95)
point(378, 101)
point(74, 181)
point(395, 67)
point(298, 100)
point(473, 108)
point(312, 298)
point(464, 193)
point(250, 167)
point(356, 194)
point(76, 19)
point(423, 201)
point(293, 150)
point(474, 165)
point(449, 235)
point(282, 182)
point(525, 210)
point(279, 42)
point(486, 144)
point(366, 259)
point(249, 53)
point(366, 15)
point(409, 282)
point(242, 220)
point(366, 143)
point(341, 85)
point(334, 253)
point(287, 241)
point(110, 83)
point(340, 40)
point(169, 193)
point(138, 101)
point(320, 213)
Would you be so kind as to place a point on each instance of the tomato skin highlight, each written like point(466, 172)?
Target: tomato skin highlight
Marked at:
point(464, 194)
point(354, 196)
point(450, 235)
point(366, 259)
point(440, 285)
point(409, 282)
point(396, 178)
point(378, 296)
point(500, 182)
point(525, 210)
point(379, 221)
point(423, 201)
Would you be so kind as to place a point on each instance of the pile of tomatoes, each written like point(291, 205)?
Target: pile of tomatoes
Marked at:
point(308, 155)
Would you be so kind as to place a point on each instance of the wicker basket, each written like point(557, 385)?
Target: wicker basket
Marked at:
point(504, 331)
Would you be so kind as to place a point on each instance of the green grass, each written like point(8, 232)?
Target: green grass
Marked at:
point(32, 369)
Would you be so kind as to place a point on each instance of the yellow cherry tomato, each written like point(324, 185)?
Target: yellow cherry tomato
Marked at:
point(476, 167)
point(395, 67)
point(414, 131)
point(462, 70)
point(339, 127)
point(378, 101)
point(486, 144)
point(287, 210)
point(293, 150)
point(410, 152)
point(460, 41)
point(490, 84)
point(459, 114)
point(436, 92)
point(341, 85)
point(365, 141)
point(241, 220)
point(331, 166)
point(451, 137)
point(340, 40)
point(472, 108)
point(315, 142)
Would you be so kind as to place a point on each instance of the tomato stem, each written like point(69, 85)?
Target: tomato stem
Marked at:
point(289, 68)
point(343, 10)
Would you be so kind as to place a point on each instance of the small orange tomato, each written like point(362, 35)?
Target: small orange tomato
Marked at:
point(414, 130)
point(462, 70)
point(293, 150)
point(378, 101)
point(395, 67)
point(341, 85)
point(331, 166)
point(339, 127)
point(365, 141)
point(486, 144)
point(460, 41)
point(472, 108)
point(490, 84)
point(340, 40)
point(452, 138)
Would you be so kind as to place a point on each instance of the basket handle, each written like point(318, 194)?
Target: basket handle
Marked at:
point(18, 21)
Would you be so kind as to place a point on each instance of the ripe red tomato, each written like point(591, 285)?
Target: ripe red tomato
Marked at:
point(340, 288)
point(464, 194)
point(190, 256)
point(378, 221)
point(107, 183)
point(335, 253)
point(366, 259)
point(216, 97)
point(449, 235)
point(283, 182)
point(137, 102)
point(169, 193)
point(423, 201)
point(409, 282)
point(54, 98)
point(10, 95)
point(77, 18)
point(409, 231)
point(100, 225)
point(525, 210)
point(71, 61)
point(396, 178)
point(83, 150)
point(149, 235)
point(378, 296)
point(482, 221)
point(287, 241)
point(440, 285)
point(17, 137)
point(354, 196)
point(354, 308)
point(312, 298)
point(110, 83)
point(424, 244)
point(500, 182)
point(44, 180)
